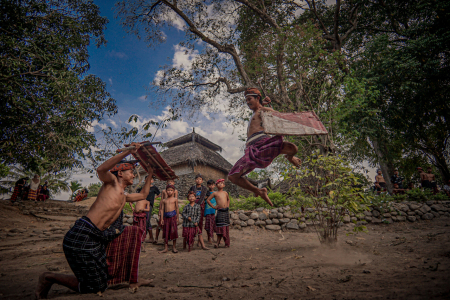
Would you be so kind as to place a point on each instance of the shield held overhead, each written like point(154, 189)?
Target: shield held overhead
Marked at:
point(299, 123)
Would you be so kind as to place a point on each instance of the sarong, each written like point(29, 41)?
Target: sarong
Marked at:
point(32, 194)
point(140, 220)
point(189, 233)
point(42, 197)
point(122, 256)
point(15, 193)
point(426, 184)
point(200, 223)
point(258, 154)
point(223, 217)
point(170, 226)
point(149, 217)
point(210, 222)
point(224, 231)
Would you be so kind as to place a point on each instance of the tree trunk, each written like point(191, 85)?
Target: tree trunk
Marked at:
point(383, 163)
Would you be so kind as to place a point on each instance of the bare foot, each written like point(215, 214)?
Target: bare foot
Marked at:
point(155, 242)
point(151, 241)
point(164, 251)
point(174, 250)
point(263, 194)
point(216, 246)
point(294, 160)
point(141, 282)
point(43, 287)
point(204, 248)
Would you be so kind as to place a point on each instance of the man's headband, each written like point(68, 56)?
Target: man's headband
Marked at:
point(252, 92)
point(170, 186)
point(220, 180)
point(123, 167)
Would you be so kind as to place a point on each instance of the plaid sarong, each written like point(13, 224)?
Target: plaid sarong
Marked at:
point(140, 220)
point(223, 217)
point(32, 194)
point(258, 154)
point(210, 222)
point(200, 223)
point(170, 228)
point(224, 231)
point(189, 233)
point(122, 256)
point(15, 193)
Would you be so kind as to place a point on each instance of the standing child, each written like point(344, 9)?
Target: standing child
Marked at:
point(223, 215)
point(140, 218)
point(210, 213)
point(154, 193)
point(200, 195)
point(191, 216)
point(163, 196)
point(169, 221)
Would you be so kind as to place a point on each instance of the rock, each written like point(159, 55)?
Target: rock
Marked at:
point(394, 218)
point(260, 209)
point(302, 219)
point(237, 222)
point(262, 216)
point(309, 222)
point(285, 220)
point(425, 208)
point(427, 216)
point(354, 219)
point(275, 221)
point(243, 217)
point(346, 219)
point(359, 223)
point(393, 213)
point(302, 225)
point(309, 209)
point(274, 211)
point(297, 215)
point(130, 221)
point(292, 226)
point(247, 213)
point(234, 216)
point(254, 216)
point(360, 216)
point(280, 210)
point(388, 221)
point(418, 212)
point(295, 221)
point(429, 203)
point(411, 218)
point(376, 213)
point(386, 215)
point(437, 207)
point(401, 218)
point(411, 213)
point(268, 222)
point(128, 216)
point(376, 220)
point(153, 222)
point(273, 227)
point(243, 224)
point(367, 213)
point(251, 222)
point(368, 219)
point(262, 223)
point(280, 216)
point(436, 214)
point(414, 206)
point(273, 215)
point(288, 215)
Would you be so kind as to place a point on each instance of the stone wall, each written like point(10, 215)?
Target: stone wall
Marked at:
point(283, 218)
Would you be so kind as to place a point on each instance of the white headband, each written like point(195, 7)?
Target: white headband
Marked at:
point(251, 95)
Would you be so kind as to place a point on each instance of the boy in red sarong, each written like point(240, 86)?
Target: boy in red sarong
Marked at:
point(140, 218)
point(222, 227)
point(210, 213)
point(160, 213)
point(261, 149)
point(191, 216)
point(169, 222)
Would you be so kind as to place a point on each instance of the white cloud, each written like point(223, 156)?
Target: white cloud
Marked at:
point(113, 123)
point(110, 81)
point(142, 98)
point(183, 57)
point(116, 54)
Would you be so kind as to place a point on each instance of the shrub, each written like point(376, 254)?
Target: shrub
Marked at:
point(252, 202)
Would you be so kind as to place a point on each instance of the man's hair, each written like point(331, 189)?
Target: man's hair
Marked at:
point(190, 193)
point(210, 182)
point(115, 173)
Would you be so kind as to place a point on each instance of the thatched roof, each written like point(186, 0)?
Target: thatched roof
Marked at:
point(193, 137)
point(195, 153)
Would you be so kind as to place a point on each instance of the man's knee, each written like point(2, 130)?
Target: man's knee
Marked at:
point(231, 178)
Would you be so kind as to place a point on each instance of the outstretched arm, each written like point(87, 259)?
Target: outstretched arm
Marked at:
point(103, 170)
point(145, 189)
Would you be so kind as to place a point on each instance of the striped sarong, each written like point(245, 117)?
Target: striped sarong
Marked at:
point(223, 217)
point(122, 256)
point(140, 220)
point(32, 194)
point(224, 231)
point(210, 222)
point(259, 153)
point(15, 193)
point(170, 226)
point(189, 233)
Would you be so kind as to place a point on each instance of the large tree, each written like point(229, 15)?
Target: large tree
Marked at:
point(48, 98)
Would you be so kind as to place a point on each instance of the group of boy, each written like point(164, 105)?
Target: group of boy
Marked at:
point(198, 213)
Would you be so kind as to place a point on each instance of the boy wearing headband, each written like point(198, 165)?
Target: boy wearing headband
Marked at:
point(222, 227)
point(169, 222)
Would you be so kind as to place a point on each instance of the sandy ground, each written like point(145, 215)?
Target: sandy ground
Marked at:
point(398, 261)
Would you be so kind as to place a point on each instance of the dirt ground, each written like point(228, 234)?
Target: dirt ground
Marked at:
point(398, 261)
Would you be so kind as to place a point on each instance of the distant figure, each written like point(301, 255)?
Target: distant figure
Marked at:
point(396, 179)
point(431, 184)
point(44, 194)
point(34, 187)
point(223, 215)
point(18, 188)
point(154, 193)
point(446, 188)
point(81, 195)
point(380, 183)
point(423, 177)
point(140, 217)
point(210, 213)
point(169, 208)
point(191, 216)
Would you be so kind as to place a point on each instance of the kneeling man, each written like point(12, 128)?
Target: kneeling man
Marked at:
point(99, 249)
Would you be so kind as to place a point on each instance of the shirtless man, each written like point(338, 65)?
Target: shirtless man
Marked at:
point(431, 179)
point(140, 217)
point(169, 214)
point(423, 177)
point(380, 183)
point(261, 149)
point(87, 245)
point(160, 213)
point(223, 216)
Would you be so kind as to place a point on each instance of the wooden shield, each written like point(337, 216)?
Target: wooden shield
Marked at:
point(299, 123)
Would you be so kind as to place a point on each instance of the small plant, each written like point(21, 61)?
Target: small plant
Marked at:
point(419, 195)
point(328, 189)
point(250, 203)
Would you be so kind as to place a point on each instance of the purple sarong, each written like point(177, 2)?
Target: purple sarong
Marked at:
point(258, 154)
